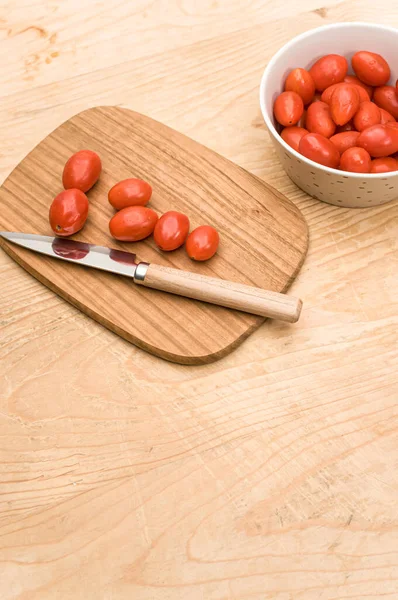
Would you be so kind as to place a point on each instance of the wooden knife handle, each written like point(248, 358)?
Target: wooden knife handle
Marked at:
point(217, 291)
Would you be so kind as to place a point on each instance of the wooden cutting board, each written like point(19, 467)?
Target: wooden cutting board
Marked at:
point(263, 235)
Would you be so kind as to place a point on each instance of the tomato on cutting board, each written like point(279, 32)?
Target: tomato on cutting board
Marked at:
point(171, 230)
point(133, 223)
point(68, 212)
point(82, 170)
point(202, 243)
point(130, 192)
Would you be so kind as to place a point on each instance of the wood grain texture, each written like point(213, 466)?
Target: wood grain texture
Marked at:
point(268, 475)
point(264, 237)
point(238, 296)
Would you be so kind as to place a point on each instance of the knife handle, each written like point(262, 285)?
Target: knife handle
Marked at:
point(217, 291)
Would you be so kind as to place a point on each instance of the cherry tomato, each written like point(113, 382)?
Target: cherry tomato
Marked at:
point(293, 135)
point(387, 98)
point(355, 160)
point(288, 108)
point(344, 103)
point(319, 119)
point(345, 140)
point(392, 124)
point(368, 114)
point(68, 212)
point(371, 68)
point(82, 170)
point(328, 70)
point(202, 243)
point(386, 117)
point(130, 192)
point(384, 165)
point(354, 80)
point(171, 230)
point(347, 127)
point(327, 94)
point(133, 223)
point(302, 120)
point(319, 149)
point(379, 140)
point(301, 82)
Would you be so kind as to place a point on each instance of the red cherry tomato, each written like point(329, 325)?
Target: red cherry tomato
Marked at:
point(302, 120)
point(82, 170)
point(171, 230)
point(319, 119)
point(345, 140)
point(384, 165)
point(68, 212)
point(319, 149)
point(363, 94)
point(327, 94)
point(293, 135)
point(133, 223)
point(328, 70)
point(344, 103)
point(130, 192)
point(347, 127)
point(379, 140)
point(288, 108)
point(301, 82)
point(386, 117)
point(368, 114)
point(387, 98)
point(355, 160)
point(392, 124)
point(354, 80)
point(371, 68)
point(202, 243)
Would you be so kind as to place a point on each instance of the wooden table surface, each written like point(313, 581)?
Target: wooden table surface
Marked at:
point(271, 474)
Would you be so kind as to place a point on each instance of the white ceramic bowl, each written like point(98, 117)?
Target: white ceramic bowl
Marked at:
point(330, 185)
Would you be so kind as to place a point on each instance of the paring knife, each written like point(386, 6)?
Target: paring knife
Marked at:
point(183, 283)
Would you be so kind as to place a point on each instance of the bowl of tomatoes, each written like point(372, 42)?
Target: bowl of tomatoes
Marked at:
point(330, 102)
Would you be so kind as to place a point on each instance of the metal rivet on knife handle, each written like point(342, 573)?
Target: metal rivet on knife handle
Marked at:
point(140, 272)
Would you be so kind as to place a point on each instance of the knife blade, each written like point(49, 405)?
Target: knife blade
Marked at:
point(237, 296)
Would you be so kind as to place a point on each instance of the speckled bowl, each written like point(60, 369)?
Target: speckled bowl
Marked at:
point(354, 190)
